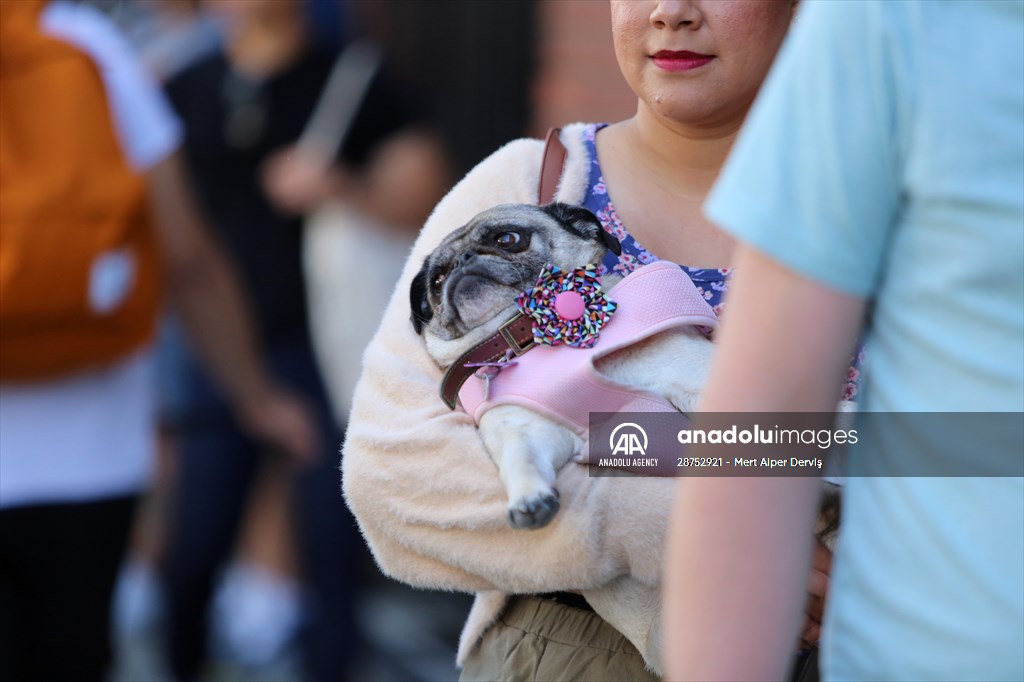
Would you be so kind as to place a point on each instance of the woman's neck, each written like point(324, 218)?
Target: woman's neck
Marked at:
point(261, 46)
point(684, 157)
point(659, 175)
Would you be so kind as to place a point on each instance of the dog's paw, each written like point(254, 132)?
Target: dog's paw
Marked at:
point(534, 512)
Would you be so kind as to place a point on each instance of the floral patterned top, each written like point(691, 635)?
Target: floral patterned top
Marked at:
point(711, 283)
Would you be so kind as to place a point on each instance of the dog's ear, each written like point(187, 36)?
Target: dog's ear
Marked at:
point(583, 223)
point(421, 312)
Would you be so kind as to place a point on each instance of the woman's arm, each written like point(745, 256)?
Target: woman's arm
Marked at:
point(206, 292)
point(426, 494)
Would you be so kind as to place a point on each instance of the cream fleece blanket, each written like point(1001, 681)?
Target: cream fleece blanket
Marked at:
point(427, 496)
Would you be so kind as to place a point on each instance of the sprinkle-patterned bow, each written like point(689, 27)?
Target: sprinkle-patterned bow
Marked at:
point(566, 307)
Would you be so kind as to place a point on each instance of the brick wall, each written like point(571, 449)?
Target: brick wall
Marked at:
point(577, 76)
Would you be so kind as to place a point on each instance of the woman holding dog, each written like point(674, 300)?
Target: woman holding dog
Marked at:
point(416, 474)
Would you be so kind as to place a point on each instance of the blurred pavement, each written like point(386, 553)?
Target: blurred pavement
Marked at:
point(412, 634)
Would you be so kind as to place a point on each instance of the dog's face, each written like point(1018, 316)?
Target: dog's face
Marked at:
point(477, 271)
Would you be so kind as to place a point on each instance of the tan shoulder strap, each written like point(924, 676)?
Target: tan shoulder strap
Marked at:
point(551, 167)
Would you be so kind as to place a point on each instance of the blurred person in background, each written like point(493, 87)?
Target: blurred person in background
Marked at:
point(878, 183)
point(168, 36)
point(243, 109)
point(257, 607)
point(96, 214)
point(359, 223)
point(417, 476)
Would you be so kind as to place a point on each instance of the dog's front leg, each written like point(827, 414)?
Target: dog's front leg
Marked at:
point(528, 450)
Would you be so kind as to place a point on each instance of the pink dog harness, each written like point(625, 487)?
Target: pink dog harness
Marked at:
point(563, 384)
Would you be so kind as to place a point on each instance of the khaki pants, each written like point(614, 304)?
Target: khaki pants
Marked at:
point(541, 640)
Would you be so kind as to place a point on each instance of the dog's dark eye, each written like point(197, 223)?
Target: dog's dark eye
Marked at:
point(440, 279)
point(507, 240)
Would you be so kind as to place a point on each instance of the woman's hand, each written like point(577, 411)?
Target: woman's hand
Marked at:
point(817, 591)
point(297, 181)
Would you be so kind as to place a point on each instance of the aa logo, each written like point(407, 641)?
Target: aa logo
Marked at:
point(628, 439)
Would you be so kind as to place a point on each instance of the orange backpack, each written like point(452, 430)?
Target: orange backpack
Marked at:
point(79, 269)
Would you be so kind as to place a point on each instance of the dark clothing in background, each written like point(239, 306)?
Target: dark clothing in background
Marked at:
point(232, 124)
point(217, 465)
point(475, 84)
point(58, 566)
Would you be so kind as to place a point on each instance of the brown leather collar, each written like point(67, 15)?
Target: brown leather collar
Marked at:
point(515, 335)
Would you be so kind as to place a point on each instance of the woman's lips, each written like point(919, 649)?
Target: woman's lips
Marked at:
point(669, 60)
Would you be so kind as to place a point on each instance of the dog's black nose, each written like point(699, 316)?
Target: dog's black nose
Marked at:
point(467, 258)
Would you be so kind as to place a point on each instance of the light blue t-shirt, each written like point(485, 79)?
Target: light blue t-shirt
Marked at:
point(884, 158)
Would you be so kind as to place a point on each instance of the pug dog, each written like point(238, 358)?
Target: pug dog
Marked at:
point(466, 290)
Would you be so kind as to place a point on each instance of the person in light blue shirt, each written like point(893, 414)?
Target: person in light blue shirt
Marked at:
point(878, 185)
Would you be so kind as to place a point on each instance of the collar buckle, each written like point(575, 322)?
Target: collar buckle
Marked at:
point(510, 339)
